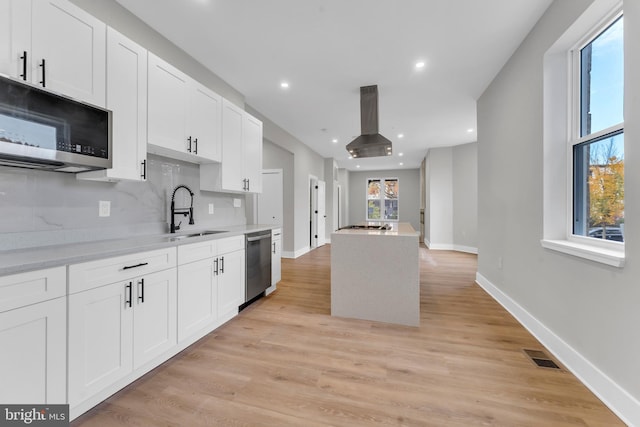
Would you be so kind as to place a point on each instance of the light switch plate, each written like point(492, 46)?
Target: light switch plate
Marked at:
point(104, 208)
point(237, 203)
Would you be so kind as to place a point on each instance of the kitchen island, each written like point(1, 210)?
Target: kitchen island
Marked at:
point(375, 274)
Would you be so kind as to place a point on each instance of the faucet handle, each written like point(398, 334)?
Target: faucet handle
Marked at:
point(178, 226)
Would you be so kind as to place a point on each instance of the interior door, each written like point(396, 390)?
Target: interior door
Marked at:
point(322, 213)
point(270, 201)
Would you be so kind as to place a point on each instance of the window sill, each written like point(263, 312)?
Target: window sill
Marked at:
point(611, 257)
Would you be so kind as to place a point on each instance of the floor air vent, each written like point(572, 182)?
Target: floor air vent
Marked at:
point(541, 359)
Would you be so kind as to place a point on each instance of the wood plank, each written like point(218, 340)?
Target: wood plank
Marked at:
point(284, 361)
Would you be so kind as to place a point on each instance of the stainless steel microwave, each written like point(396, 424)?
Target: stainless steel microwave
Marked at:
point(44, 130)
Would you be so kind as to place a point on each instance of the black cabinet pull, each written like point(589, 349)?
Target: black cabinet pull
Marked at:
point(128, 289)
point(144, 170)
point(189, 149)
point(141, 290)
point(127, 267)
point(274, 247)
point(248, 184)
point(221, 265)
point(43, 82)
point(195, 142)
point(216, 270)
point(24, 65)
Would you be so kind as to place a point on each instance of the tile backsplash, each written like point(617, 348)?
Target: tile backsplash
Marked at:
point(40, 208)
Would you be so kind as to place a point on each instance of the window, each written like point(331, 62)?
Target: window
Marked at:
point(382, 199)
point(597, 142)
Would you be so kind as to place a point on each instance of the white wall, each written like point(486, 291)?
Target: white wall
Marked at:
point(465, 197)
point(439, 193)
point(306, 162)
point(583, 311)
point(276, 157)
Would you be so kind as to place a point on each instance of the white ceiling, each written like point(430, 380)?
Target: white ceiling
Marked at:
point(327, 49)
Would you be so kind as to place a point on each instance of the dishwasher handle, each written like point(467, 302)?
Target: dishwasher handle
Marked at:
point(256, 238)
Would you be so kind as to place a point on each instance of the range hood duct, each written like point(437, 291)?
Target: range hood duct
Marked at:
point(370, 143)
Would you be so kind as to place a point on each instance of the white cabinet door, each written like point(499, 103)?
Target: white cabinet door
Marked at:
point(204, 122)
point(68, 48)
point(276, 258)
point(15, 38)
point(231, 271)
point(167, 106)
point(127, 99)
point(232, 173)
point(33, 355)
point(252, 152)
point(154, 315)
point(197, 307)
point(100, 338)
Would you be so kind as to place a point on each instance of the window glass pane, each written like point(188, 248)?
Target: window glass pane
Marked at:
point(391, 209)
point(373, 209)
point(599, 188)
point(602, 81)
point(373, 189)
point(391, 189)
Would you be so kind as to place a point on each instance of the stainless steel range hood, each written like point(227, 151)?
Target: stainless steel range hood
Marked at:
point(370, 143)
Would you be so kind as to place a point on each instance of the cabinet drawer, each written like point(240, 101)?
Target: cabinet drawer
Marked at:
point(92, 274)
point(197, 251)
point(230, 244)
point(32, 287)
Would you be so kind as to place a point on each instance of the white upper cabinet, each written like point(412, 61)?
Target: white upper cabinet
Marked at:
point(54, 44)
point(204, 121)
point(127, 99)
point(183, 115)
point(241, 167)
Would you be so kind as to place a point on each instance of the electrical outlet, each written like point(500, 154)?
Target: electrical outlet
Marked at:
point(210, 208)
point(104, 208)
point(237, 203)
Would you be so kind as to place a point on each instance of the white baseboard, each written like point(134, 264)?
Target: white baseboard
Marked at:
point(610, 393)
point(296, 254)
point(450, 247)
point(467, 249)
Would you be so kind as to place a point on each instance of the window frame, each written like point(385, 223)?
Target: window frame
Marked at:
point(382, 199)
point(574, 135)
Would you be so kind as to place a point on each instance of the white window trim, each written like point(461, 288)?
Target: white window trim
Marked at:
point(561, 122)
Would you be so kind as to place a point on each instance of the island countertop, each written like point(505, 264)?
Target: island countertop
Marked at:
point(397, 229)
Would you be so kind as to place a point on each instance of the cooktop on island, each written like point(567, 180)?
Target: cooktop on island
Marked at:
point(367, 227)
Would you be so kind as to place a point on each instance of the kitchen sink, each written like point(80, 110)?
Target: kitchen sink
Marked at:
point(199, 234)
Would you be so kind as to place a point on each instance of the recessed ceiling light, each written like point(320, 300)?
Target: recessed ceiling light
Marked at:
point(400, 154)
point(334, 140)
point(401, 135)
point(470, 130)
point(284, 85)
point(350, 157)
point(420, 65)
point(401, 164)
point(358, 166)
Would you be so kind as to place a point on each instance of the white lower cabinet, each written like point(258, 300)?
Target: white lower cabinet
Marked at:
point(276, 258)
point(118, 328)
point(210, 285)
point(231, 271)
point(33, 333)
point(197, 305)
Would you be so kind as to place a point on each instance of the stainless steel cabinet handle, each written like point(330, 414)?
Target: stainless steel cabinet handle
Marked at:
point(216, 270)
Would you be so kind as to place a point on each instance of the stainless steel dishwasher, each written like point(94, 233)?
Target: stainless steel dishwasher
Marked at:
point(258, 264)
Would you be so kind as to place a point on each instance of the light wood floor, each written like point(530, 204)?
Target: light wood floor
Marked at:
point(285, 361)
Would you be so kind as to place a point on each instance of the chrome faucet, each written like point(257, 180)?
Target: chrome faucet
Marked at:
point(180, 211)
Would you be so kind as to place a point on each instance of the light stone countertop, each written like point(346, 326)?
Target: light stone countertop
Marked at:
point(23, 260)
point(398, 229)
